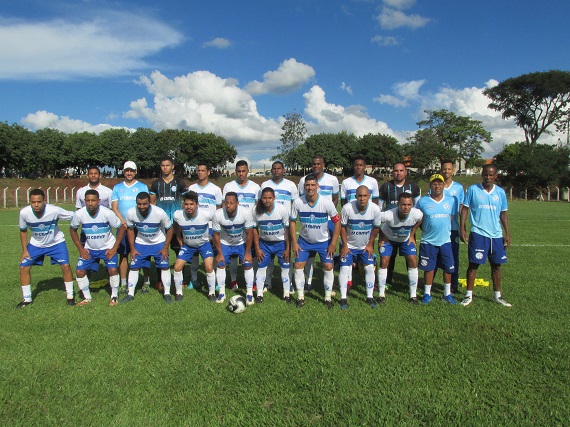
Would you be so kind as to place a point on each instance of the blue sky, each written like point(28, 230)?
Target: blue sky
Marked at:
point(235, 68)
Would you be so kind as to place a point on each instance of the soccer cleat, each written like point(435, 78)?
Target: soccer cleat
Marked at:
point(128, 298)
point(221, 298)
point(113, 301)
point(178, 297)
point(426, 299)
point(466, 301)
point(258, 299)
point(167, 298)
point(145, 288)
point(234, 286)
point(329, 304)
point(287, 300)
point(371, 303)
point(212, 297)
point(190, 285)
point(122, 290)
point(449, 298)
point(84, 302)
point(300, 303)
point(381, 300)
point(249, 300)
point(343, 304)
point(414, 301)
point(70, 301)
point(22, 304)
point(501, 301)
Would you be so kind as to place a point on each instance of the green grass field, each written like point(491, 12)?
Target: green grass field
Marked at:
point(194, 363)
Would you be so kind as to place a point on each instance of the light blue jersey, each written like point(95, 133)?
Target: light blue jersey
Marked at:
point(436, 225)
point(456, 191)
point(126, 196)
point(485, 210)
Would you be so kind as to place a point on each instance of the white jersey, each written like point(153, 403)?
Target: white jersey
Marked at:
point(152, 229)
point(45, 232)
point(209, 196)
point(328, 186)
point(273, 225)
point(195, 231)
point(350, 185)
point(398, 230)
point(232, 230)
point(248, 195)
point(285, 191)
point(359, 225)
point(105, 196)
point(97, 228)
point(314, 219)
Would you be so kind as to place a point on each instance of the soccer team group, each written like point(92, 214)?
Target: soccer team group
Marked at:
point(254, 224)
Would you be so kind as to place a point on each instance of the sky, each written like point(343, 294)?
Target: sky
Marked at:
point(235, 68)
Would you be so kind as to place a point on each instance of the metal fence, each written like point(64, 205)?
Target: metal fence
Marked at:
point(20, 196)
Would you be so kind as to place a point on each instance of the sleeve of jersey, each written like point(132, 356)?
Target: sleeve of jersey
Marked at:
point(75, 223)
point(344, 216)
point(113, 219)
point(379, 218)
point(78, 203)
point(375, 191)
point(335, 187)
point(114, 194)
point(342, 191)
point(335, 217)
point(128, 219)
point(293, 216)
point(216, 224)
point(249, 221)
point(65, 215)
point(166, 221)
point(285, 215)
point(468, 196)
point(153, 188)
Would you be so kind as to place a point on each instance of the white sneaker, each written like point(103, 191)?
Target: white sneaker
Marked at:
point(466, 301)
point(249, 300)
point(221, 298)
point(501, 301)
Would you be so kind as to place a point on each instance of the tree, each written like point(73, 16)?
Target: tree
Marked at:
point(380, 150)
point(293, 135)
point(337, 149)
point(535, 101)
point(461, 133)
point(425, 149)
point(116, 147)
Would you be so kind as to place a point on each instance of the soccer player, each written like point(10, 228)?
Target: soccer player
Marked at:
point(105, 193)
point(194, 238)
point(313, 211)
point(328, 188)
point(435, 245)
point(360, 223)
point(455, 190)
point(123, 199)
point(271, 238)
point(152, 240)
point(209, 197)
point(96, 222)
point(285, 193)
point(389, 192)
point(486, 206)
point(46, 240)
point(395, 236)
point(233, 235)
point(248, 193)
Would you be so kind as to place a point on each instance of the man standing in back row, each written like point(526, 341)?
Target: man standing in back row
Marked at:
point(486, 206)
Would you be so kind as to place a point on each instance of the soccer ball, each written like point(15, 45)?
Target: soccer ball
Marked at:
point(237, 304)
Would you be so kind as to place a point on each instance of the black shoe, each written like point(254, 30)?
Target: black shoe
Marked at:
point(22, 304)
point(167, 298)
point(70, 301)
point(212, 297)
point(300, 303)
point(371, 302)
point(178, 298)
point(381, 300)
point(329, 304)
point(343, 304)
point(287, 300)
point(414, 301)
point(258, 299)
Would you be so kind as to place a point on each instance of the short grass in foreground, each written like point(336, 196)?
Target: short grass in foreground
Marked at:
point(194, 363)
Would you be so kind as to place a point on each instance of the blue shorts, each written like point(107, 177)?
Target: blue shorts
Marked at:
point(480, 248)
point(58, 254)
point(93, 262)
point(308, 248)
point(271, 249)
point(186, 253)
point(233, 251)
point(442, 256)
point(389, 247)
point(357, 255)
point(146, 253)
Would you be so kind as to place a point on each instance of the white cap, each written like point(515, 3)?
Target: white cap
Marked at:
point(130, 165)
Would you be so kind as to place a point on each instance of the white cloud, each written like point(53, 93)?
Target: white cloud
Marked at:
point(109, 44)
point(405, 91)
point(399, 4)
point(390, 19)
point(218, 42)
point(290, 76)
point(385, 40)
point(346, 88)
point(44, 119)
